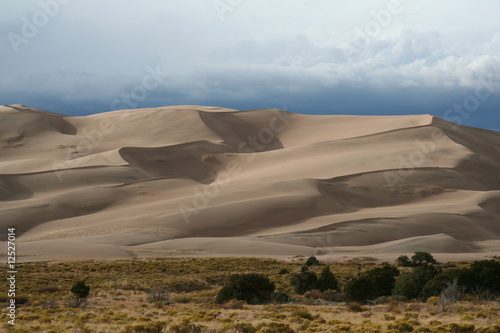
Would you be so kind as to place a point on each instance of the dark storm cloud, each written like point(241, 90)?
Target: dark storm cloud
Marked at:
point(318, 57)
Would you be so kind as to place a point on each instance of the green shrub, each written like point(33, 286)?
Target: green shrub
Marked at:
point(182, 298)
point(274, 327)
point(153, 327)
point(371, 284)
point(86, 316)
point(481, 278)
point(185, 326)
point(312, 261)
point(403, 261)
point(361, 289)
point(251, 288)
point(279, 297)
point(80, 289)
point(239, 327)
point(488, 329)
point(234, 304)
point(458, 328)
point(384, 277)
point(411, 284)
point(439, 282)
point(187, 285)
point(401, 325)
point(304, 281)
point(355, 307)
point(340, 328)
point(302, 313)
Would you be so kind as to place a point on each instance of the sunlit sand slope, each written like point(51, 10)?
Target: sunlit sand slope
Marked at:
point(193, 180)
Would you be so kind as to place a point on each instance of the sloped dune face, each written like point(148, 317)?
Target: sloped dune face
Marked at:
point(192, 180)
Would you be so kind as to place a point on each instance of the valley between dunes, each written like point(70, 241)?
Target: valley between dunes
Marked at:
point(186, 181)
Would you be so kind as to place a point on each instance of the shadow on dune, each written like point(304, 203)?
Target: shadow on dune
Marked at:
point(193, 160)
point(238, 133)
point(44, 120)
point(11, 189)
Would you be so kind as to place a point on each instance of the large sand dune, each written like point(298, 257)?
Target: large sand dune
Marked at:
point(192, 181)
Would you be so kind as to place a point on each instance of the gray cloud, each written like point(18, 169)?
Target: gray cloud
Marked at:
point(291, 54)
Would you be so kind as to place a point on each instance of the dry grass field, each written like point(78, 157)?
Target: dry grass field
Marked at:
point(121, 301)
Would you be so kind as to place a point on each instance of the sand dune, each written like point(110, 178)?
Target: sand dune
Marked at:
point(193, 181)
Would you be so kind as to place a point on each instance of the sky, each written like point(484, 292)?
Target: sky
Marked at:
point(360, 57)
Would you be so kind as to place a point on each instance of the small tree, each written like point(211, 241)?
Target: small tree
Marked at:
point(403, 261)
point(327, 280)
point(418, 259)
point(80, 291)
point(422, 258)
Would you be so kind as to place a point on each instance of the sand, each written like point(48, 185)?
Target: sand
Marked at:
point(185, 181)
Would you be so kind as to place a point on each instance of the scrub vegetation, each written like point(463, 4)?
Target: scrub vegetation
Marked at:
point(253, 295)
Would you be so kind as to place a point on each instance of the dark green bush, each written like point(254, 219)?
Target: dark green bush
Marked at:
point(361, 288)
point(279, 297)
point(80, 289)
point(251, 288)
point(377, 282)
point(439, 282)
point(304, 281)
point(384, 277)
point(482, 278)
point(411, 284)
point(312, 261)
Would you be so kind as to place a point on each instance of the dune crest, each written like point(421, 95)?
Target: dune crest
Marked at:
point(196, 180)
